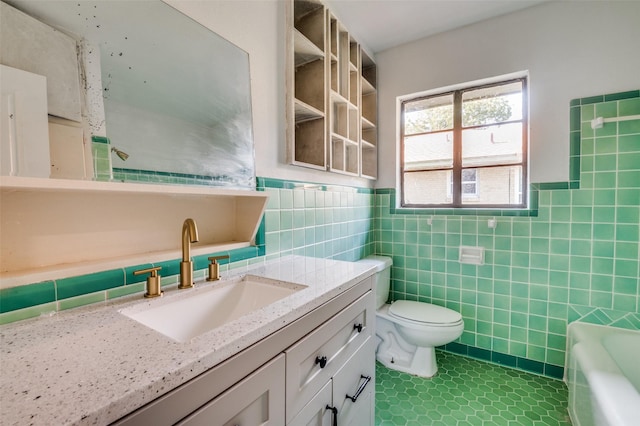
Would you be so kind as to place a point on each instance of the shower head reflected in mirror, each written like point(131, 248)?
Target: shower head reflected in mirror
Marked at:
point(121, 154)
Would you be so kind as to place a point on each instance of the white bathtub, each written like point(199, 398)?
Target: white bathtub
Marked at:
point(602, 373)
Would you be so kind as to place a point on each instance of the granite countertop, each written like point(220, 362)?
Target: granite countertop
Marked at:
point(93, 365)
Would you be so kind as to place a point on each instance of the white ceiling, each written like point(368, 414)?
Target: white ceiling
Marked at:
point(382, 24)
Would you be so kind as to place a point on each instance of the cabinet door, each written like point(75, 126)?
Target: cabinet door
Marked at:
point(24, 135)
point(256, 400)
point(315, 413)
point(356, 380)
point(316, 358)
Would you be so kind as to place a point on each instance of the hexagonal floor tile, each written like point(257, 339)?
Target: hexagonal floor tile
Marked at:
point(467, 391)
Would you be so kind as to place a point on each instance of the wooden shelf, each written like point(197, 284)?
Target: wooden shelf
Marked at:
point(304, 112)
point(366, 144)
point(367, 87)
point(55, 228)
point(347, 106)
point(9, 184)
point(366, 124)
point(305, 51)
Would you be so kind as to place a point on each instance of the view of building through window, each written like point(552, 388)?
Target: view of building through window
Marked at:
point(466, 148)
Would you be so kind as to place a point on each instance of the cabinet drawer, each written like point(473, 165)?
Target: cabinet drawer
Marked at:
point(256, 400)
point(317, 357)
point(358, 372)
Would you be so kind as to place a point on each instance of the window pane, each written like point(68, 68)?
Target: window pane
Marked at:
point(468, 189)
point(469, 183)
point(469, 175)
point(428, 115)
point(496, 185)
point(426, 187)
point(490, 105)
point(428, 151)
point(497, 144)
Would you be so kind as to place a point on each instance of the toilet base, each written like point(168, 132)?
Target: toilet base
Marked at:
point(422, 363)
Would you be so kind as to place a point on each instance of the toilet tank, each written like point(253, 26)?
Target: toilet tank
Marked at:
point(382, 278)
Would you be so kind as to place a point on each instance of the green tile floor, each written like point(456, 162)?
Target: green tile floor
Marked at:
point(469, 392)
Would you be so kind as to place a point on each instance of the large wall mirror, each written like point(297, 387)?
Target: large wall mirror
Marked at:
point(168, 96)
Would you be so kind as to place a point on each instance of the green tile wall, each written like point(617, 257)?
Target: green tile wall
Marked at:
point(150, 176)
point(318, 220)
point(100, 148)
point(578, 259)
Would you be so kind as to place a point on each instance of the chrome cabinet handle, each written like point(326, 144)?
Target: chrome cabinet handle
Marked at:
point(322, 361)
point(367, 379)
point(334, 414)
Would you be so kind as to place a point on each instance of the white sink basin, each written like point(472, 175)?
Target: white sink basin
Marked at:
point(183, 317)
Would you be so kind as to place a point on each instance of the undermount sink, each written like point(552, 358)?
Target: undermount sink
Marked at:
point(183, 317)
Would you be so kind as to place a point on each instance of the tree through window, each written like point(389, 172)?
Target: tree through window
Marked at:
point(466, 148)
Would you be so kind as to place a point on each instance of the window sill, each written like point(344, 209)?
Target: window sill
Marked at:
point(531, 211)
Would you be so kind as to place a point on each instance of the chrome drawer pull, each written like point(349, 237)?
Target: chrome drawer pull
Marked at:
point(334, 414)
point(357, 327)
point(367, 379)
point(322, 361)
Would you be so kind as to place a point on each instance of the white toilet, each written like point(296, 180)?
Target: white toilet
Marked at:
point(408, 331)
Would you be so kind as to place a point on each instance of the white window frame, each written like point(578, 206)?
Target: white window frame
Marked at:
point(475, 182)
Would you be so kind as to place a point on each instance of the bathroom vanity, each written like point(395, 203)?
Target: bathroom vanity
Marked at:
point(299, 360)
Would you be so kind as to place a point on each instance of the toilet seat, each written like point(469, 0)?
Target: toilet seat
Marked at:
point(424, 313)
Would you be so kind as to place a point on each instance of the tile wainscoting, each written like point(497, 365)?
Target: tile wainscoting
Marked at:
point(572, 256)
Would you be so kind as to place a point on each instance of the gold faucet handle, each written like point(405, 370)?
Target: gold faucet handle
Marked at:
point(153, 281)
point(214, 267)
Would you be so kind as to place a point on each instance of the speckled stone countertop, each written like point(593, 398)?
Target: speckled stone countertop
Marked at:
point(93, 365)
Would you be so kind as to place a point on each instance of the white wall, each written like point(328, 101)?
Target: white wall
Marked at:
point(257, 26)
point(571, 49)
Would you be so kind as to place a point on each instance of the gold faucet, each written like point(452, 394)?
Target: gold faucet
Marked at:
point(189, 235)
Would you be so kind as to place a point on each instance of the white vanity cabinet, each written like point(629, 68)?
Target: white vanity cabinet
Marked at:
point(256, 400)
point(289, 377)
point(334, 403)
point(324, 353)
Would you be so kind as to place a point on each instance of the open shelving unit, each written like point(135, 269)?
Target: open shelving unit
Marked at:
point(331, 94)
point(306, 112)
point(369, 121)
point(57, 228)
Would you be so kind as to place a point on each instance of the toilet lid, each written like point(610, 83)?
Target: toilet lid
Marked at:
point(424, 312)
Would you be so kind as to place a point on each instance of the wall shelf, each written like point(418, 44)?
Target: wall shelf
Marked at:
point(305, 50)
point(304, 112)
point(328, 70)
point(56, 228)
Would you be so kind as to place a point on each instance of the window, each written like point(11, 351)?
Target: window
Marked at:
point(466, 147)
point(469, 183)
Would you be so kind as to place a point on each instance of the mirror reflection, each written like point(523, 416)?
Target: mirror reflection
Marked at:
point(163, 98)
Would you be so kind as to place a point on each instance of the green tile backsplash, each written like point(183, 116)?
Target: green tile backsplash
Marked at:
point(572, 256)
point(170, 178)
